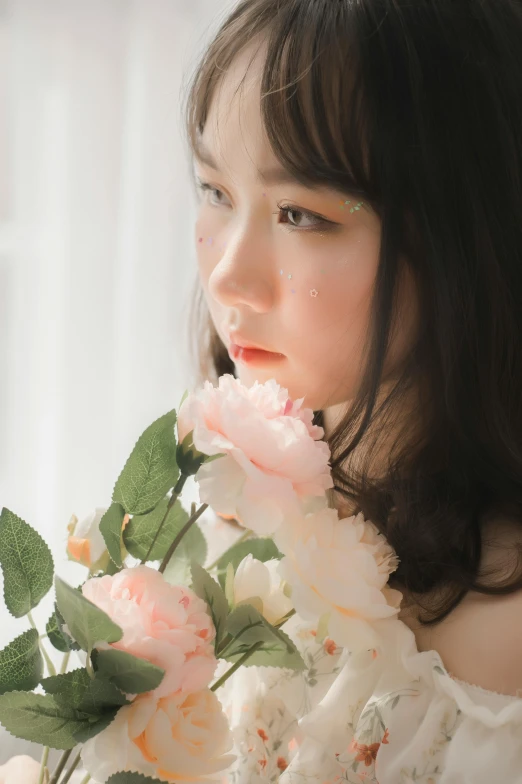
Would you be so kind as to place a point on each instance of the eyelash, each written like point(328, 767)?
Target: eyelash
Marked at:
point(322, 223)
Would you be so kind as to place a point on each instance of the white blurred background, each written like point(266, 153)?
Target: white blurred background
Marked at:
point(96, 253)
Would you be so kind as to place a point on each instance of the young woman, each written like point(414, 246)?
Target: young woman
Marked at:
point(359, 164)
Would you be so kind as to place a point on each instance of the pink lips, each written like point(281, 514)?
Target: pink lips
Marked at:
point(241, 350)
point(252, 355)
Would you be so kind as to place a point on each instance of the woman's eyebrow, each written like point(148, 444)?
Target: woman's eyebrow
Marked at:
point(271, 175)
point(278, 175)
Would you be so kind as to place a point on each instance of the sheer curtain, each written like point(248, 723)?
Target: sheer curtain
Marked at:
point(96, 248)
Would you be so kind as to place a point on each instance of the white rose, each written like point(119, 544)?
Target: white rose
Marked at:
point(339, 569)
point(257, 580)
point(23, 769)
point(20, 770)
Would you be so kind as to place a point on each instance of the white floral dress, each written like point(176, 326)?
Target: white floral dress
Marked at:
point(391, 715)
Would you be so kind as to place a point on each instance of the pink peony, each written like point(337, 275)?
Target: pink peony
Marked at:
point(273, 458)
point(166, 624)
point(179, 738)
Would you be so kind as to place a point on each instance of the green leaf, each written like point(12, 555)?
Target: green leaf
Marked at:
point(94, 725)
point(132, 778)
point(263, 549)
point(89, 695)
point(110, 569)
point(141, 530)
point(127, 672)
point(57, 637)
point(27, 564)
point(270, 655)
point(21, 663)
point(110, 529)
point(87, 623)
point(248, 626)
point(151, 470)
point(207, 589)
point(39, 718)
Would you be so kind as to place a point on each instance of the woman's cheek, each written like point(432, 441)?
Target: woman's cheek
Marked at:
point(206, 247)
point(331, 289)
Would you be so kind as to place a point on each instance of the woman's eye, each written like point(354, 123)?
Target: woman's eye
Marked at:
point(294, 218)
point(205, 186)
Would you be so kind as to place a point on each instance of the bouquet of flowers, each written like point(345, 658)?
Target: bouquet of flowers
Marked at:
point(150, 624)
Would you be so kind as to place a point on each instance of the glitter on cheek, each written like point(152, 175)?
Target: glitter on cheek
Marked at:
point(293, 291)
point(200, 239)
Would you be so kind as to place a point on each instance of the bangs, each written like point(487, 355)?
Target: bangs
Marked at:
point(312, 105)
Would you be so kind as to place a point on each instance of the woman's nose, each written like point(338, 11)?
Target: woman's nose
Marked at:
point(243, 276)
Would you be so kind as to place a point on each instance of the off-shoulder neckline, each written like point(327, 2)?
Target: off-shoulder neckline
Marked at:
point(481, 690)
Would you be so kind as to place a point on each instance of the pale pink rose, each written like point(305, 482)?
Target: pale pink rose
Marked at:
point(338, 569)
point(21, 769)
point(85, 544)
point(179, 738)
point(272, 456)
point(255, 580)
point(166, 624)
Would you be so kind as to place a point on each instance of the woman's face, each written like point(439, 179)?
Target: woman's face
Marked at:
point(295, 281)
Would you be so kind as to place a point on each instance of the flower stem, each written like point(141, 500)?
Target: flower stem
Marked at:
point(247, 655)
point(190, 522)
point(86, 779)
point(174, 497)
point(48, 660)
point(45, 757)
point(221, 654)
point(61, 765)
point(236, 665)
point(74, 765)
point(65, 662)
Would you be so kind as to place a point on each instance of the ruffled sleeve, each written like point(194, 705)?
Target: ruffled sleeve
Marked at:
point(396, 716)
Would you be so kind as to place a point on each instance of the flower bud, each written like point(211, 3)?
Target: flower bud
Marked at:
point(189, 459)
point(259, 584)
point(85, 543)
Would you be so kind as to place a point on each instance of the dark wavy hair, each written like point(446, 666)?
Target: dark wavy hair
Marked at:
point(417, 106)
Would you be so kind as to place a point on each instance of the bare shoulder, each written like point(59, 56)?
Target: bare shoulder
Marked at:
point(480, 642)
